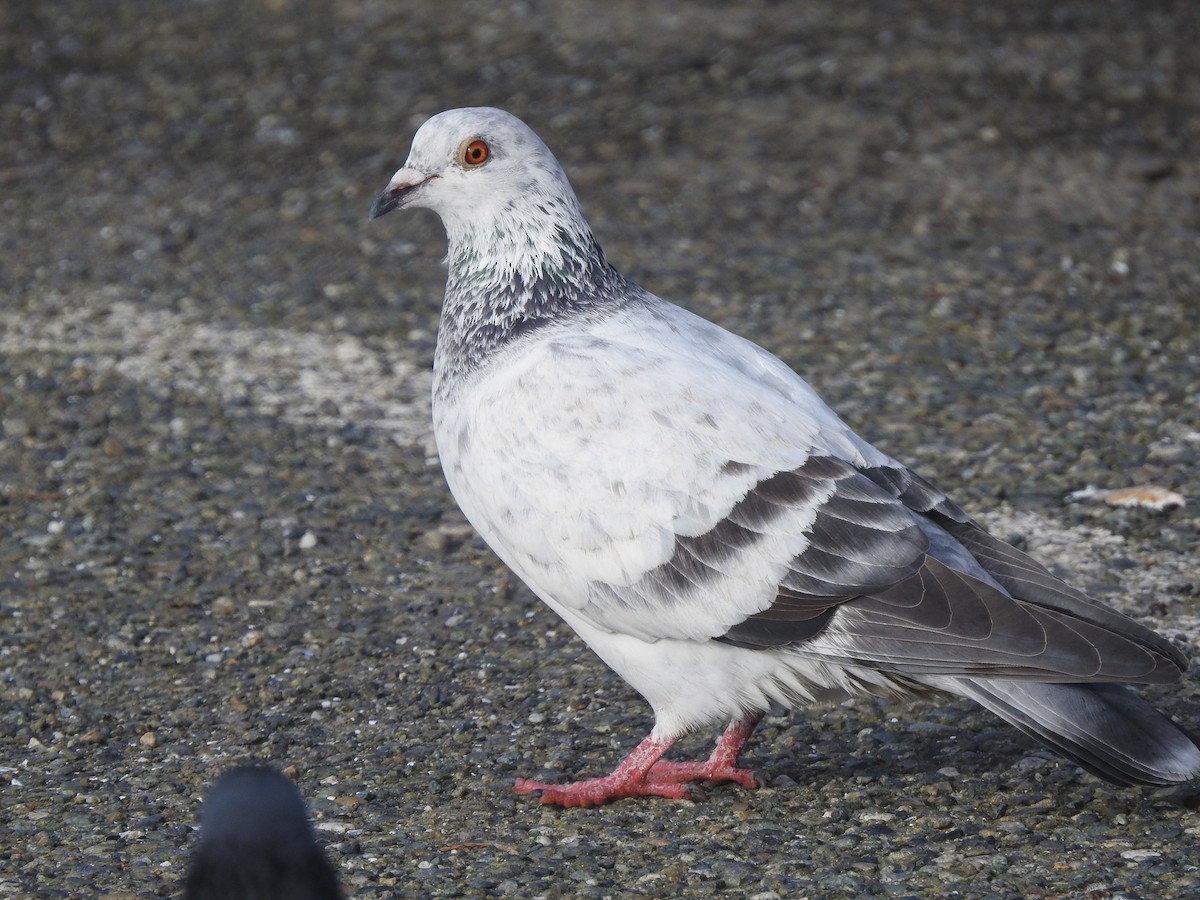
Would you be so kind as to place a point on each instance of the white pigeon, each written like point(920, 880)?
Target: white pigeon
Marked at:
point(700, 517)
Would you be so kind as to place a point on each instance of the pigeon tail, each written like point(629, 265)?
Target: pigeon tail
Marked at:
point(1107, 729)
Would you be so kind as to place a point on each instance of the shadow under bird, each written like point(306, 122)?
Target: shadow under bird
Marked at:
point(256, 843)
point(713, 530)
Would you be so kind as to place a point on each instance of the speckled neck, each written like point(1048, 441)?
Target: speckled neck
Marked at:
point(525, 270)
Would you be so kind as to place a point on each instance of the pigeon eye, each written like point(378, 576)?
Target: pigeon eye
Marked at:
point(474, 153)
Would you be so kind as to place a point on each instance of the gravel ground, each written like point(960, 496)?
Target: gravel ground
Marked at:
point(224, 536)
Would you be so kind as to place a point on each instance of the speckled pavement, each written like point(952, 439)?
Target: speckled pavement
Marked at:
point(224, 535)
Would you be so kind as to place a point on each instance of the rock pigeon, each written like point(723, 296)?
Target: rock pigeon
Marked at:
point(714, 531)
point(256, 843)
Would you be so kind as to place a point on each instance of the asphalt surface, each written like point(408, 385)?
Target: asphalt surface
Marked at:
point(224, 536)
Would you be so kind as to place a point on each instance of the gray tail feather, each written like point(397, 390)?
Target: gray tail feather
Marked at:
point(1105, 728)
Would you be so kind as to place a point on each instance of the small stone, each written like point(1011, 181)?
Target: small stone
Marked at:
point(435, 541)
point(1140, 855)
point(223, 606)
point(113, 448)
point(149, 740)
point(251, 639)
point(15, 428)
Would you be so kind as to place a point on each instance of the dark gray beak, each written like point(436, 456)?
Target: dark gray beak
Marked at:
point(394, 196)
point(384, 203)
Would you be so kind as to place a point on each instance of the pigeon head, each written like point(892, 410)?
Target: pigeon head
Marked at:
point(521, 254)
point(477, 166)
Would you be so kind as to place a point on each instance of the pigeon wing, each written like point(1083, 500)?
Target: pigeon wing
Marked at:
point(971, 605)
point(664, 495)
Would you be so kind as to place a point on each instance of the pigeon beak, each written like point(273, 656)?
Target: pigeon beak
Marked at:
point(394, 195)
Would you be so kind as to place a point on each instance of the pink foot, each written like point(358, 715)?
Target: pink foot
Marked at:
point(595, 791)
point(644, 773)
point(667, 772)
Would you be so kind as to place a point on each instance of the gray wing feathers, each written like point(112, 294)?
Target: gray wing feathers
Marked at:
point(917, 587)
point(855, 539)
point(859, 539)
point(914, 491)
point(1025, 578)
point(1017, 573)
point(940, 620)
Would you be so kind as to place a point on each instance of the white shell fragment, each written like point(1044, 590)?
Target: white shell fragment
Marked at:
point(1147, 496)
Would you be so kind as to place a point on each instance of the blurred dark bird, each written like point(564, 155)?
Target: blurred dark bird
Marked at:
point(256, 843)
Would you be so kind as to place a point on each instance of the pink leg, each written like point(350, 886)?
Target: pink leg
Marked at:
point(721, 765)
point(645, 773)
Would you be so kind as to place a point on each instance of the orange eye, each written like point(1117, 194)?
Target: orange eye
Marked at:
point(474, 153)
